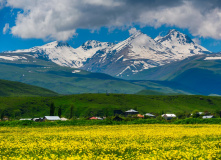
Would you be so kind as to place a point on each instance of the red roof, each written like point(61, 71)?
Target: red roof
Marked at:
point(140, 116)
point(93, 118)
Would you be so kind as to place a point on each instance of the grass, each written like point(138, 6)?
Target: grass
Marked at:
point(83, 122)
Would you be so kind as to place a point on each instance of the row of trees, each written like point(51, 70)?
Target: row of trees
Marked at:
point(52, 110)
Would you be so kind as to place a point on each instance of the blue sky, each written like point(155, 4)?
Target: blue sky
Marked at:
point(25, 24)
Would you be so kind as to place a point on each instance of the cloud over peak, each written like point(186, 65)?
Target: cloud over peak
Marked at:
point(59, 20)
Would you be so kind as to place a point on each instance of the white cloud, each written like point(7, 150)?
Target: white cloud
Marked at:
point(132, 31)
point(196, 40)
point(6, 28)
point(56, 19)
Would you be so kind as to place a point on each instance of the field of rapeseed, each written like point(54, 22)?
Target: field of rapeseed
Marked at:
point(112, 142)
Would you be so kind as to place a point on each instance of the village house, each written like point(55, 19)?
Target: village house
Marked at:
point(209, 116)
point(131, 112)
point(168, 116)
point(51, 118)
point(140, 116)
point(96, 118)
point(150, 115)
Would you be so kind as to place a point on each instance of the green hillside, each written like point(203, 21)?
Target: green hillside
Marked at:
point(65, 80)
point(17, 89)
point(194, 73)
point(105, 104)
point(165, 87)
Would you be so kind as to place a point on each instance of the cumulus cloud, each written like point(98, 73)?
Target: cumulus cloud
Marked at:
point(56, 19)
point(6, 28)
point(132, 31)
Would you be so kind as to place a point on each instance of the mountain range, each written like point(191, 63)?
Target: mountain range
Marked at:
point(173, 62)
point(137, 53)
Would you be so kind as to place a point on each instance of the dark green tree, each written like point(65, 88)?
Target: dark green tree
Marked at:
point(59, 111)
point(71, 111)
point(2, 115)
point(52, 109)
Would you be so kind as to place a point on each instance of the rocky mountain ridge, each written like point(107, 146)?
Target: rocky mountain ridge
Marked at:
point(137, 53)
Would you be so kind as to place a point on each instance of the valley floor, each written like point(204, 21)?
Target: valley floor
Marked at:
point(141, 141)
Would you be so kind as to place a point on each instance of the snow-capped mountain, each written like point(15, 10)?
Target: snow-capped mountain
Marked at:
point(181, 44)
point(130, 56)
point(140, 52)
point(135, 54)
point(63, 54)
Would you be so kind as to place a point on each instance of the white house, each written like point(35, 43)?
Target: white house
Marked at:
point(51, 118)
point(210, 116)
point(150, 115)
point(131, 112)
point(168, 116)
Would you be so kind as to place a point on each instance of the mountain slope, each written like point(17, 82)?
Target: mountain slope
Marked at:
point(63, 54)
point(200, 73)
point(137, 53)
point(133, 55)
point(181, 44)
point(140, 52)
point(64, 80)
point(17, 89)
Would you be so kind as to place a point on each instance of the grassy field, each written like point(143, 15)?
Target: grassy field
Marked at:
point(112, 142)
point(86, 105)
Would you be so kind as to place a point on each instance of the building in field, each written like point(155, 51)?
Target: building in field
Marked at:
point(209, 116)
point(149, 115)
point(96, 118)
point(131, 112)
point(140, 116)
point(168, 116)
point(51, 118)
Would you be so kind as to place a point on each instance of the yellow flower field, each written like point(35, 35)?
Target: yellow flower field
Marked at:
point(112, 142)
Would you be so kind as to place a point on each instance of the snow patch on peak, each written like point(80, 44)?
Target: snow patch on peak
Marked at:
point(158, 37)
point(174, 35)
point(138, 39)
point(180, 44)
point(95, 44)
point(173, 31)
point(212, 58)
point(54, 44)
point(134, 32)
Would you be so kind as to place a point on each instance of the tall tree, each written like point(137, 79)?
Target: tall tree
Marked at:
point(52, 109)
point(59, 111)
point(2, 115)
point(71, 111)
